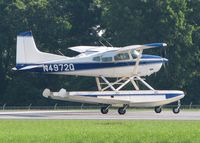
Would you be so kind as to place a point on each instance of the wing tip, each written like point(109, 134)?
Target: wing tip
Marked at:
point(14, 68)
point(164, 44)
point(156, 44)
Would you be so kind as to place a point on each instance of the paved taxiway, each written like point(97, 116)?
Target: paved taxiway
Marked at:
point(96, 115)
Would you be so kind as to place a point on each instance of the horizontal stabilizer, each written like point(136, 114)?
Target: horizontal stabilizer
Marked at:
point(22, 67)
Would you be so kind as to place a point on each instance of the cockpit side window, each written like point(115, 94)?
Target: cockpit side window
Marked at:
point(121, 56)
point(134, 54)
point(97, 59)
point(107, 57)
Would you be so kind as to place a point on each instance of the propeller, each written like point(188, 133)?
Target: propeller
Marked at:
point(163, 55)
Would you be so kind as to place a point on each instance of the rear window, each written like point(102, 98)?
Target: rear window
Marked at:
point(106, 59)
point(97, 59)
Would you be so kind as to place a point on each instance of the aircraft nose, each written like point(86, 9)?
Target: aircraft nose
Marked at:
point(181, 95)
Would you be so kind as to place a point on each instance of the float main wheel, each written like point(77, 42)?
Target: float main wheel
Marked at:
point(104, 110)
point(176, 110)
point(121, 111)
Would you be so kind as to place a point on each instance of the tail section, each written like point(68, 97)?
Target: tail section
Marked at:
point(27, 52)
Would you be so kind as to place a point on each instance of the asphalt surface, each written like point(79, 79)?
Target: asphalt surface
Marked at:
point(96, 115)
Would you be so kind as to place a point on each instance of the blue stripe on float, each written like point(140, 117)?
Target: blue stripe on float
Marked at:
point(172, 95)
point(167, 96)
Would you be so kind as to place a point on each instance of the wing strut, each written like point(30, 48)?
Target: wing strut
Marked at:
point(135, 70)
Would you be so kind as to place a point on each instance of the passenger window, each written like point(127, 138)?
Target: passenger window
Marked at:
point(134, 54)
point(121, 56)
point(98, 59)
point(106, 59)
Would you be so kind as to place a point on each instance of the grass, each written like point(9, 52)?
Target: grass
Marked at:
point(99, 131)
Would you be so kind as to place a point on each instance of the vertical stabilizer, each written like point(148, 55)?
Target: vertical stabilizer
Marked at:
point(27, 51)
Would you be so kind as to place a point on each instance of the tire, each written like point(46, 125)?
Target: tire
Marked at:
point(104, 110)
point(158, 109)
point(176, 110)
point(121, 111)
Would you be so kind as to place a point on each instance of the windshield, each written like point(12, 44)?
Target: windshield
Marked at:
point(134, 54)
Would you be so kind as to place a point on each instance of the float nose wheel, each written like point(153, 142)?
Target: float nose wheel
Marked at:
point(104, 110)
point(176, 110)
point(158, 109)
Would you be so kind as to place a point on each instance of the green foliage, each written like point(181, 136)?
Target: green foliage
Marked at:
point(133, 22)
point(57, 25)
point(79, 131)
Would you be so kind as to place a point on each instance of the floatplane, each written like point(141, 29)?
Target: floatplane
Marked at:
point(127, 65)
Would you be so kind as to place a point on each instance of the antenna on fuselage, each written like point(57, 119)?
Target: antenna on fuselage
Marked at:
point(101, 43)
point(60, 52)
point(107, 41)
point(99, 32)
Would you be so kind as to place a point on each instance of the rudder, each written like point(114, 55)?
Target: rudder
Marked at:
point(27, 51)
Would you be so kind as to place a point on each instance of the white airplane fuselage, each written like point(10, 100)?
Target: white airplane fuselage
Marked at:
point(84, 66)
point(115, 69)
point(96, 61)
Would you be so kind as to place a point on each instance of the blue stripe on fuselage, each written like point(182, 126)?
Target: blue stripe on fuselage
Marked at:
point(87, 66)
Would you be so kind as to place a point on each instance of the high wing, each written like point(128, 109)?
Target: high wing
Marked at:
point(85, 49)
point(142, 47)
